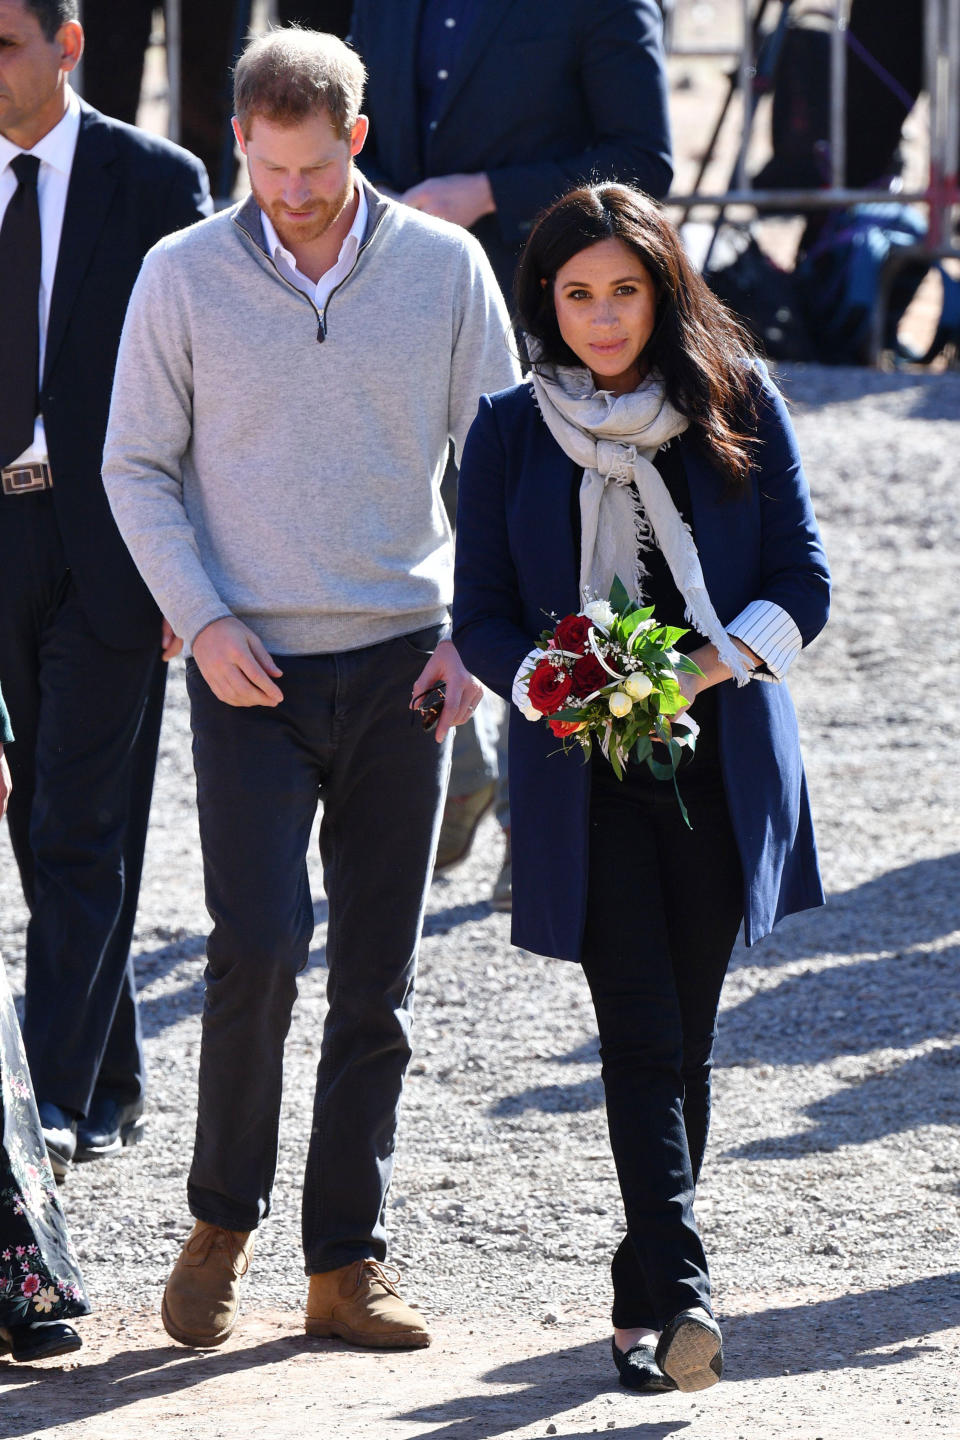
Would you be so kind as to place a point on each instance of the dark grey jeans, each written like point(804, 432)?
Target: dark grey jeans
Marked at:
point(344, 735)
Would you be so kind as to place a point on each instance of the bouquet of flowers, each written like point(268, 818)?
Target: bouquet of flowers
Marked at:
point(610, 672)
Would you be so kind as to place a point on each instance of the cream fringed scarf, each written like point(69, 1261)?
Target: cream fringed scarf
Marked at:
point(614, 438)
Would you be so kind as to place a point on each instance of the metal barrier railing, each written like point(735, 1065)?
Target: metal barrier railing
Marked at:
point(941, 195)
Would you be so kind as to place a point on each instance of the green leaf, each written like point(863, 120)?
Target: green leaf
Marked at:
point(615, 762)
point(630, 622)
point(671, 634)
point(630, 732)
point(660, 769)
point(619, 598)
point(643, 749)
point(687, 666)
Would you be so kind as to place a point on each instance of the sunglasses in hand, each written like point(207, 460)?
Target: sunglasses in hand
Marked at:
point(428, 705)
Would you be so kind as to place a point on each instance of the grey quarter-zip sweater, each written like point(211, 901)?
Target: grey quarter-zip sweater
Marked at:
point(269, 462)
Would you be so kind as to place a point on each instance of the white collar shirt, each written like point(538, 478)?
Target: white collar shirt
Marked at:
point(55, 153)
point(319, 291)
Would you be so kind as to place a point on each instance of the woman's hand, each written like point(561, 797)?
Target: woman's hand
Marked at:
point(714, 672)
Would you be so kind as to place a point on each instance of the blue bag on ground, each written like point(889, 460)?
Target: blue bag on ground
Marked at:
point(839, 279)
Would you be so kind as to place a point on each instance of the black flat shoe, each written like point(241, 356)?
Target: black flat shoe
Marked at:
point(638, 1369)
point(39, 1341)
point(111, 1126)
point(690, 1350)
point(59, 1135)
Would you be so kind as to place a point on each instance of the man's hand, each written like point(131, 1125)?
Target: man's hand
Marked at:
point(463, 692)
point(6, 784)
point(170, 644)
point(236, 665)
point(461, 199)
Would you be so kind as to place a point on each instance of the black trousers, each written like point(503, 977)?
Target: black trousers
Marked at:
point(343, 734)
point(664, 906)
point(86, 719)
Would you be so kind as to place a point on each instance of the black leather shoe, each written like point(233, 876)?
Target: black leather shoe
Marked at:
point(638, 1369)
point(110, 1126)
point(690, 1350)
point(40, 1340)
point(60, 1136)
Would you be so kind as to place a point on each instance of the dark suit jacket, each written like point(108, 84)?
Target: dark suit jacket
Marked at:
point(544, 96)
point(517, 563)
point(127, 190)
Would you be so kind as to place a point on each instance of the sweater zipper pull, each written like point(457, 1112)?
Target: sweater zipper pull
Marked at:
point(321, 327)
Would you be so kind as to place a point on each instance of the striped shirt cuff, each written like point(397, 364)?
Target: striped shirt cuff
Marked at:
point(772, 634)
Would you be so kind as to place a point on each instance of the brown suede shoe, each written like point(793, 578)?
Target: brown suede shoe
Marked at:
point(202, 1296)
point(361, 1303)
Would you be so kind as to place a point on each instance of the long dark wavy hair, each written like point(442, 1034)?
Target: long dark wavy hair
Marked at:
point(697, 347)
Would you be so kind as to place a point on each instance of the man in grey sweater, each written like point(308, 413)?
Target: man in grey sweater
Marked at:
point(290, 376)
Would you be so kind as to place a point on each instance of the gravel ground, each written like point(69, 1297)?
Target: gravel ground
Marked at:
point(830, 1195)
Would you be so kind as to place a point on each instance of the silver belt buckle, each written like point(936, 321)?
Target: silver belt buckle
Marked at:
point(23, 479)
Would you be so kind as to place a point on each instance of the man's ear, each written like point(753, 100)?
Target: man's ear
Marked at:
point(70, 40)
point(238, 135)
point(359, 134)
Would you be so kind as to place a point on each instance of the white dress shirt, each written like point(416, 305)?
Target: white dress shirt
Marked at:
point(772, 634)
point(319, 291)
point(55, 153)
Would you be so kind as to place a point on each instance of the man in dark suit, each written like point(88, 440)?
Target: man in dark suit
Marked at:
point(82, 199)
point(484, 111)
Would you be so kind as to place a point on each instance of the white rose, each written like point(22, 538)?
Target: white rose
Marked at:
point(620, 704)
point(638, 687)
point(530, 712)
point(600, 613)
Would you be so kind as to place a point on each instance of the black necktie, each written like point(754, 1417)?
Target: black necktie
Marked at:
point(19, 311)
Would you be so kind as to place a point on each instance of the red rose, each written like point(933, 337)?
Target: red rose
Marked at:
point(548, 688)
point(589, 675)
point(562, 728)
point(571, 634)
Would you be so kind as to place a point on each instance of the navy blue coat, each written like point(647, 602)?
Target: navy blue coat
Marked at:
point(542, 98)
point(517, 563)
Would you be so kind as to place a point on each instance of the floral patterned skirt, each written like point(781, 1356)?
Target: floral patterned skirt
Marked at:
point(39, 1275)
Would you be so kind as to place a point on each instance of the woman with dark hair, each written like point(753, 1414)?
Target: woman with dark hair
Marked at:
point(40, 1285)
point(649, 444)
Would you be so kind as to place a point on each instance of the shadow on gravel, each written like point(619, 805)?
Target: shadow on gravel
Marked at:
point(844, 1333)
point(554, 1382)
point(555, 1099)
point(890, 1003)
point(68, 1396)
point(441, 922)
point(887, 1102)
point(899, 910)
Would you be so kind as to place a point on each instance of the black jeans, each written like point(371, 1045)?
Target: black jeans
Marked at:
point(663, 909)
point(343, 734)
point(86, 719)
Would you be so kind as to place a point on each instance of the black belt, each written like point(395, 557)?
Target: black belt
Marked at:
point(26, 479)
